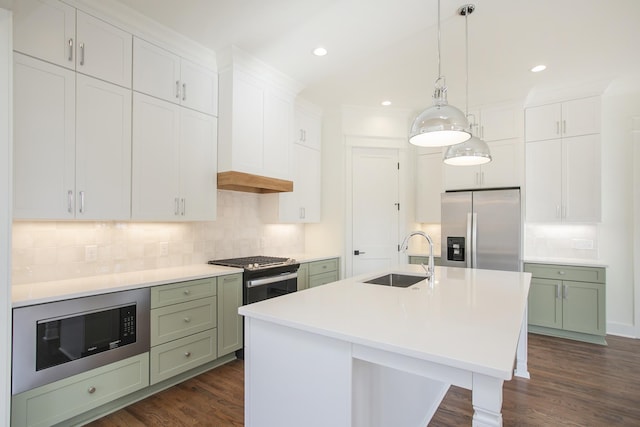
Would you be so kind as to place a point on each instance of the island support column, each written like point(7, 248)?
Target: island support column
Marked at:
point(486, 397)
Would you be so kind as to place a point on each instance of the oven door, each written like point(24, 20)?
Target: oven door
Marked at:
point(261, 288)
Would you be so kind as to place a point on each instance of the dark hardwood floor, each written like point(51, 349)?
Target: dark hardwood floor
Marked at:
point(572, 384)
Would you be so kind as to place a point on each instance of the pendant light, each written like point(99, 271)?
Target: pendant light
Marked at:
point(441, 124)
point(474, 151)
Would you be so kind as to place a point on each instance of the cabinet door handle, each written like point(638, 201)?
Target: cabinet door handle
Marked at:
point(561, 273)
point(176, 206)
point(177, 89)
point(81, 53)
point(81, 202)
point(564, 126)
point(91, 390)
point(558, 211)
point(70, 201)
point(302, 213)
point(557, 128)
point(70, 58)
point(565, 291)
point(482, 131)
point(558, 291)
point(183, 208)
point(184, 91)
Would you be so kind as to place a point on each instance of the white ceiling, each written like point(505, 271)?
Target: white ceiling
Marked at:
point(387, 49)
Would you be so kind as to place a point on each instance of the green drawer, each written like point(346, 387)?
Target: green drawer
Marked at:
point(174, 293)
point(179, 320)
point(61, 400)
point(323, 279)
point(417, 259)
point(183, 354)
point(566, 272)
point(319, 267)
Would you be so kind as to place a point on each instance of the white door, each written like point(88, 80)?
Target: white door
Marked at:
point(375, 181)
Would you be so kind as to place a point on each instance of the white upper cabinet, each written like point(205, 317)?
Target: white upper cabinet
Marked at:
point(561, 120)
point(103, 150)
point(174, 162)
point(308, 127)
point(498, 122)
point(55, 32)
point(165, 75)
point(44, 140)
point(563, 179)
point(504, 170)
point(72, 146)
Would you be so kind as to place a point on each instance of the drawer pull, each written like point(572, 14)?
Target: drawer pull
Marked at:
point(187, 319)
point(187, 354)
point(561, 273)
point(91, 390)
point(187, 291)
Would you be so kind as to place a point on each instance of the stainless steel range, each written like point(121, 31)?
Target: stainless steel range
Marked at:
point(264, 277)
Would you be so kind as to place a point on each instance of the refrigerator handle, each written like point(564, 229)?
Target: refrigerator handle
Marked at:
point(474, 240)
point(467, 246)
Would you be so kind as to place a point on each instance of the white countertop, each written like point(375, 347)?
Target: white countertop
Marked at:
point(308, 257)
point(470, 319)
point(42, 292)
point(565, 261)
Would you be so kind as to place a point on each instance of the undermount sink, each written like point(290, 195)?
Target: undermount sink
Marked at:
point(397, 280)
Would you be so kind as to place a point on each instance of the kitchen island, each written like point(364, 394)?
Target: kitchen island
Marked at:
point(351, 353)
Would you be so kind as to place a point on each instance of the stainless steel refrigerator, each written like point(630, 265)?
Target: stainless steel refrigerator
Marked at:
point(482, 229)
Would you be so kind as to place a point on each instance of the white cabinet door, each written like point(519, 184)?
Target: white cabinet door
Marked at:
point(163, 74)
point(155, 163)
point(581, 178)
point(428, 188)
point(543, 123)
point(102, 50)
point(543, 176)
point(44, 140)
point(278, 114)
point(505, 168)
point(501, 122)
point(156, 71)
point(198, 165)
point(581, 117)
point(308, 129)
point(103, 150)
point(461, 177)
point(45, 29)
point(199, 87)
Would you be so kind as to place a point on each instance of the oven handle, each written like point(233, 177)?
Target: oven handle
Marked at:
point(271, 279)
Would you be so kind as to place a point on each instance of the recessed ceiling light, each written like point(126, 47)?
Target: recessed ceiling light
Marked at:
point(386, 103)
point(319, 51)
point(538, 68)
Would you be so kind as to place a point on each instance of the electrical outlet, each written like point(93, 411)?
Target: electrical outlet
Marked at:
point(91, 253)
point(164, 248)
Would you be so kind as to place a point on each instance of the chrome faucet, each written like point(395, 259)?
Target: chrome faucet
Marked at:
point(405, 245)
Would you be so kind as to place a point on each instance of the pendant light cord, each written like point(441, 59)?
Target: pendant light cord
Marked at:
point(439, 68)
point(466, 59)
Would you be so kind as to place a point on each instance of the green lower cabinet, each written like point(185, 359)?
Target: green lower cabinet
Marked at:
point(175, 357)
point(571, 306)
point(61, 400)
point(303, 276)
point(229, 321)
point(418, 259)
point(317, 273)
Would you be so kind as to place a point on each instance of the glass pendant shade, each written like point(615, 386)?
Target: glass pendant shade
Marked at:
point(474, 151)
point(438, 126)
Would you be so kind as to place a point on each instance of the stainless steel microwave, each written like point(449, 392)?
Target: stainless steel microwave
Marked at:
point(55, 340)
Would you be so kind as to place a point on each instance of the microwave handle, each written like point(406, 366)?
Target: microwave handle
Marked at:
point(271, 279)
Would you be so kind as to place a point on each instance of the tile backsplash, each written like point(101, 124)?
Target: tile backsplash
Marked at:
point(563, 241)
point(44, 251)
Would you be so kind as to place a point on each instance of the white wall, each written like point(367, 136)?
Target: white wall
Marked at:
point(621, 104)
point(5, 212)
